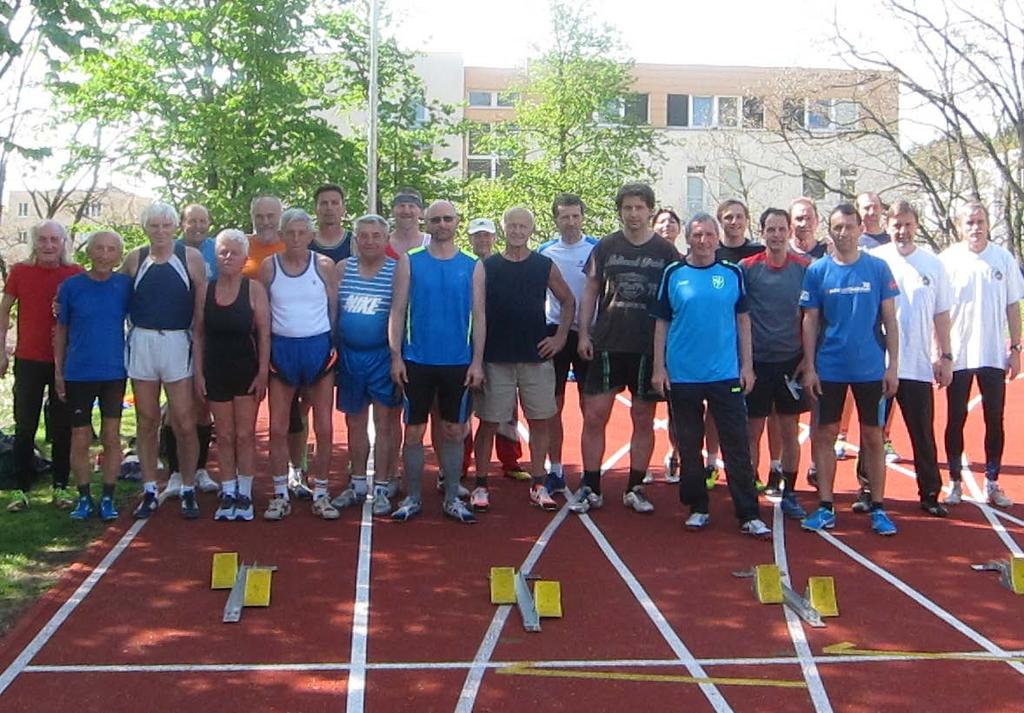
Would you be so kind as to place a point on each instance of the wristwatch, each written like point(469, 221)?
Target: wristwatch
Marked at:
point(1016, 347)
point(947, 356)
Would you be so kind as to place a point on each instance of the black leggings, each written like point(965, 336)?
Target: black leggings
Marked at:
point(992, 384)
point(30, 379)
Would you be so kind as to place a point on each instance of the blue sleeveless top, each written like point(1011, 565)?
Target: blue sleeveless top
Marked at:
point(162, 297)
point(364, 305)
point(439, 324)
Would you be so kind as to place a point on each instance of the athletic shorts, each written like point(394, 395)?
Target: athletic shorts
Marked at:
point(505, 385)
point(568, 358)
point(771, 393)
point(229, 375)
point(866, 394)
point(302, 361)
point(82, 394)
point(364, 377)
point(611, 372)
point(159, 354)
point(445, 383)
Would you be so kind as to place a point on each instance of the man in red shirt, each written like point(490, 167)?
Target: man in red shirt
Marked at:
point(33, 285)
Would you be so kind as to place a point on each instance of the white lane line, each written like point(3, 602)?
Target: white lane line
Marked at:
point(990, 513)
point(975, 636)
point(361, 614)
point(686, 657)
point(62, 614)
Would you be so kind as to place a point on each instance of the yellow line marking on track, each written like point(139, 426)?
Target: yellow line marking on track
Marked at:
point(848, 648)
point(648, 677)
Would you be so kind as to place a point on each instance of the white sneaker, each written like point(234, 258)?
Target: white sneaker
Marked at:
point(173, 487)
point(648, 478)
point(346, 499)
point(996, 496)
point(755, 528)
point(462, 494)
point(204, 483)
point(586, 501)
point(956, 494)
point(697, 521)
point(636, 499)
point(381, 501)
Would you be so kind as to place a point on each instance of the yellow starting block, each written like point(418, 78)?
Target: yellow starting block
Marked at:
point(224, 570)
point(510, 587)
point(503, 585)
point(547, 594)
point(1011, 571)
point(821, 593)
point(768, 584)
point(257, 586)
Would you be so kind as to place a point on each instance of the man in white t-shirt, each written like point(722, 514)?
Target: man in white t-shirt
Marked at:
point(922, 310)
point(987, 285)
point(569, 250)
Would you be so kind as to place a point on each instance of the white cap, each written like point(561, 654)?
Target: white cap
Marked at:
point(480, 225)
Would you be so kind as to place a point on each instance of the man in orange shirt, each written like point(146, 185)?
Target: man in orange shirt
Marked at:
point(265, 240)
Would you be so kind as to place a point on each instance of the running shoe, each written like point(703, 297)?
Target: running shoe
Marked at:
point(774, 486)
point(19, 501)
point(131, 469)
point(173, 487)
point(517, 474)
point(84, 509)
point(586, 500)
point(863, 502)
point(225, 508)
point(407, 509)
point(540, 497)
point(278, 509)
point(956, 494)
point(323, 509)
point(672, 470)
point(108, 511)
point(820, 519)
point(555, 483)
point(297, 484)
point(710, 477)
point(392, 487)
point(791, 507)
point(204, 483)
point(243, 508)
point(147, 506)
point(479, 499)
point(697, 521)
point(995, 495)
point(64, 498)
point(463, 493)
point(381, 501)
point(891, 456)
point(189, 506)
point(457, 510)
point(840, 449)
point(881, 523)
point(648, 477)
point(933, 507)
point(812, 476)
point(346, 499)
point(756, 528)
point(636, 499)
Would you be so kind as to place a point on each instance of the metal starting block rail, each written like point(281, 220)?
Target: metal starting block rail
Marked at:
point(249, 583)
point(1011, 572)
point(819, 602)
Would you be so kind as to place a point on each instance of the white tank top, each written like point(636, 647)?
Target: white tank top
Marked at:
point(298, 304)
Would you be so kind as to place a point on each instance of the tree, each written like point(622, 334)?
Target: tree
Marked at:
point(577, 128)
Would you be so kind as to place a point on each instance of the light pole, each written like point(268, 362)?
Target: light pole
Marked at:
point(371, 144)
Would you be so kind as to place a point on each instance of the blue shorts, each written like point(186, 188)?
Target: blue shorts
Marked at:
point(301, 361)
point(364, 377)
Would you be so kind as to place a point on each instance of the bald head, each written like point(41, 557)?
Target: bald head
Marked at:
point(442, 220)
point(195, 223)
point(869, 207)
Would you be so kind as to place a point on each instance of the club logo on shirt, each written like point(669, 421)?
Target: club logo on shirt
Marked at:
point(717, 281)
point(925, 280)
point(996, 274)
point(362, 304)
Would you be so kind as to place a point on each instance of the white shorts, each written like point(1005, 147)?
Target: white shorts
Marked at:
point(158, 355)
point(530, 383)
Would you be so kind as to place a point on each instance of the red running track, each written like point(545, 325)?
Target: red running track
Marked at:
point(654, 617)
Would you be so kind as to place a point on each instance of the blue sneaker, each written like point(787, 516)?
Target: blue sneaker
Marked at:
point(108, 511)
point(792, 508)
point(881, 523)
point(407, 509)
point(457, 510)
point(147, 507)
point(820, 519)
point(555, 483)
point(84, 509)
point(189, 506)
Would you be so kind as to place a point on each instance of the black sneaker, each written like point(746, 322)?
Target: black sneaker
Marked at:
point(189, 506)
point(863, 502)
point(147, 507)
point(933, 507)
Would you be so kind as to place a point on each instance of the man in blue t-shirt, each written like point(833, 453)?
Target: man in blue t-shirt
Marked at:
point(848, 302)
point(701, 295)
point(88, 347)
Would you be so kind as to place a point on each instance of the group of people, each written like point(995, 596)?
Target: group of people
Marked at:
point(402, 326)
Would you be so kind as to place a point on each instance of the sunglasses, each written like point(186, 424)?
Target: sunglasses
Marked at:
point(442, 218)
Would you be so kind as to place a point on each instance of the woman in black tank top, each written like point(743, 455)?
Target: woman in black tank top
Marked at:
point(232, 358)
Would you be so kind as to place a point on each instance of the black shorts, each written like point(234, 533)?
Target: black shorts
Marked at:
point(81, 395)
point(227, 378)
point(568, 358)
point(866, 394)
point(611, 372)
point(445, 383)
point(771, 393)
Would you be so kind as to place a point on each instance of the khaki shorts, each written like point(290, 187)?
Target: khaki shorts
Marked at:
point(533, 382)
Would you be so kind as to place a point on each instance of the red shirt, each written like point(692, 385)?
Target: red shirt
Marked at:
point(34, 287)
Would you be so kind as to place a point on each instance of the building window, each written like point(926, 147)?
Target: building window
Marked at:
point(94, 210)
point(814, 183)
point(23, 235)
point(845, 115)
point(480, 98)
point(694, 190)
point(730, 182)
point(753, 113)
point(483, 160)
point(499, 100)
point(728, 112)
point(848, 181)
point(630, 109)
point(678, 109)
point(507, 100)
point(793, 113)
point(702, 111)
point(23, 210)
point(819, 118)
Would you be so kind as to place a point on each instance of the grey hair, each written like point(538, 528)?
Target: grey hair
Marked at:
point(193, 206)
point(969, 207)
point(159, 210)
point(701, 217)
point(257, 199)
point(293, 214)
point(91, 238)
point(234, 235)
point(33, 233)
point(371, 219)
point(517, 209)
